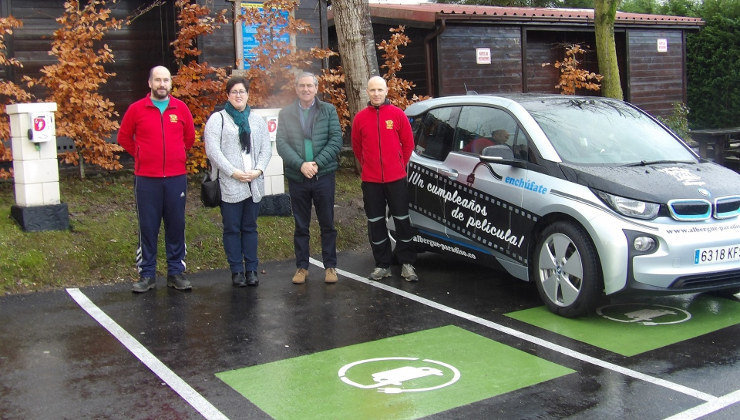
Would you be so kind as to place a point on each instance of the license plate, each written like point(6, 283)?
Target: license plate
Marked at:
point(717, 254)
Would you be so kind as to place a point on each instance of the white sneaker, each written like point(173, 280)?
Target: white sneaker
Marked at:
point(379, 273)
point(407, 272)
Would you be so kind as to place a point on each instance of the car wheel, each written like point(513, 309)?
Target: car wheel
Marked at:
point(566, 270)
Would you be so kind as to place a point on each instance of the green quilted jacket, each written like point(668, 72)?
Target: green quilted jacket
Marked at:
point(326, 137)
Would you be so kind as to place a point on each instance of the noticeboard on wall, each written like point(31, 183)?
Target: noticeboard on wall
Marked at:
point(246, 39)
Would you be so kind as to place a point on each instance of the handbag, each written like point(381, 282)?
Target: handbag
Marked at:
point(210, 189)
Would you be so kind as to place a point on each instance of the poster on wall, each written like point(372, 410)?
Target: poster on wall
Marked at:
point(246, 35)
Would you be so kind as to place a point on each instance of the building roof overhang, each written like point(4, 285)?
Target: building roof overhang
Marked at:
point(427, 14)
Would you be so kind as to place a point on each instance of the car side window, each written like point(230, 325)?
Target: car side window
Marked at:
point(482, 126)
point(522, 146)
point(434, 131)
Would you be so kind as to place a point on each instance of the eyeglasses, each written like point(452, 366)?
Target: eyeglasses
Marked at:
point(238, 92)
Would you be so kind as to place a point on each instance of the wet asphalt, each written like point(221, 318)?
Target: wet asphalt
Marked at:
point(57, 361)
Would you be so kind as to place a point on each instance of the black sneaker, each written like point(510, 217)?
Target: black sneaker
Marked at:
point(252, 278)
point(178, 281)
point(238, 279)
point(144, 284)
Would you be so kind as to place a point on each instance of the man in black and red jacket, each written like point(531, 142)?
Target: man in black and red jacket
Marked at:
point(158, 131)
point(382, 142)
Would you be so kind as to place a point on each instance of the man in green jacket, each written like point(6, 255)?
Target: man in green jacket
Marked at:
point(309, 138)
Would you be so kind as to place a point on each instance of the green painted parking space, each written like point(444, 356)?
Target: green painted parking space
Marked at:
point(629, 329)
point(406, 376)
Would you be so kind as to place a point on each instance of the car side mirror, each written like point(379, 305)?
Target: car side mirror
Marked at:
point(501, 154)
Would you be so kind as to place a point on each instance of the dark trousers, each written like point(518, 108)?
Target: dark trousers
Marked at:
point(157, 200)
point(318, 191)
point(240, 234)
point(394, 195)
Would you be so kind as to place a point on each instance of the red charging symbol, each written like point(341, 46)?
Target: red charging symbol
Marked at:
point(271, 126)
point(39, 124)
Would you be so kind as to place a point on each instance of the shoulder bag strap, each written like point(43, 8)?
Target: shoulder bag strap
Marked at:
point(221, 139)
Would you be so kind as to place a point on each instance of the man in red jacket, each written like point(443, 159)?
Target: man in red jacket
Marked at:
point(158, 131)
point(382, 142)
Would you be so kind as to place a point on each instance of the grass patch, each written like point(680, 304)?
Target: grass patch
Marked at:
point(100, 246)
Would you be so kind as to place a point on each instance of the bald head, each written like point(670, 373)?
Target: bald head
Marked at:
point(158, 70)
point(377, 90)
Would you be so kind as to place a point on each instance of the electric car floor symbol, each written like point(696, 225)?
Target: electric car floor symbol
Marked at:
point(401, 379)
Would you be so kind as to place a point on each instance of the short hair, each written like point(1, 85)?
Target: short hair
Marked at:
point(235, 80)
point(303, 74)
point(151, 71)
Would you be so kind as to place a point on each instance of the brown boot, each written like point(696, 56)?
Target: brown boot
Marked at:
point(300, 276)
point(331, 275)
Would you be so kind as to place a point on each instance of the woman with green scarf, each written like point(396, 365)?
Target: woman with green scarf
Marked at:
point(238, 147)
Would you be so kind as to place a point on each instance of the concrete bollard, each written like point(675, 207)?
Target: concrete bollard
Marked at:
point(275, 202)
point(36, 170)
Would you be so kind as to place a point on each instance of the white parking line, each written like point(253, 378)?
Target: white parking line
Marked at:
point(532, 339)
point(708, 407)
point(190, 395)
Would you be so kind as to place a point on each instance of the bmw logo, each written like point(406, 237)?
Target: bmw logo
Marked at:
point(705, 192)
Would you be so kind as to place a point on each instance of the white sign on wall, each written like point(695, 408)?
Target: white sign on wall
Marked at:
point(483, 55)
point(662, 45)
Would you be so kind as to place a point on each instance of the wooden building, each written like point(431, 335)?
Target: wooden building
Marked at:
point(139, 46)
point(449, 52)
point(456, 48)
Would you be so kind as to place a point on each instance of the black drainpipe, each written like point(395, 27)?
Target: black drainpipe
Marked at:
point(428, 47)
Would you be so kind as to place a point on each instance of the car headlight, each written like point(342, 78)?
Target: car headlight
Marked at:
point(629, 207)
point(644, 244)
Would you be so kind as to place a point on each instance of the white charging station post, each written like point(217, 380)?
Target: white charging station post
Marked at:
point(36, 170)
point(275, 202)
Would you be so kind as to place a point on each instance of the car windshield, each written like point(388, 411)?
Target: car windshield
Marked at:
point(591, 131)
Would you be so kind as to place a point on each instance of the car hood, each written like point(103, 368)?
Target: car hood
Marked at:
point(658, 183)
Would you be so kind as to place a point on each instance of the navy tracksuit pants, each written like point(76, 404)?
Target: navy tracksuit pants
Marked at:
point(157, 200)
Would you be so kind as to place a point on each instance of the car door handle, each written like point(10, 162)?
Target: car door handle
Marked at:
point(449, 173)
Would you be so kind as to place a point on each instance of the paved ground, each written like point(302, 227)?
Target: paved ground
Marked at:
point(462, 343)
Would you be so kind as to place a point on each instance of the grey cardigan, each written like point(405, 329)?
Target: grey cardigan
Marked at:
point(225, 154)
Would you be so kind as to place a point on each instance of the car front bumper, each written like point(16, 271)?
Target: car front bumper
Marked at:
point(675, 266)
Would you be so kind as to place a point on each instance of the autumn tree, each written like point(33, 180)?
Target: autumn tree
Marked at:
point(331, 85)
point(83, 114)
point(9, 91)
point(572, 75)
point(273, 61)
point(356, 48)
point(605, 13)
point(199, 85)
point(398, 88)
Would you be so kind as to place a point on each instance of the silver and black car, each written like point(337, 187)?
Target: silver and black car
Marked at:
point(584, 196)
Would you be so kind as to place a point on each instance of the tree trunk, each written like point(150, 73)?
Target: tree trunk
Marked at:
point(356, 49)
point(605, 12)
point(82, 165)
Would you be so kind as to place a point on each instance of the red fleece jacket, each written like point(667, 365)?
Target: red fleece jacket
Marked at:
point(382, 142)
point(158, 141)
